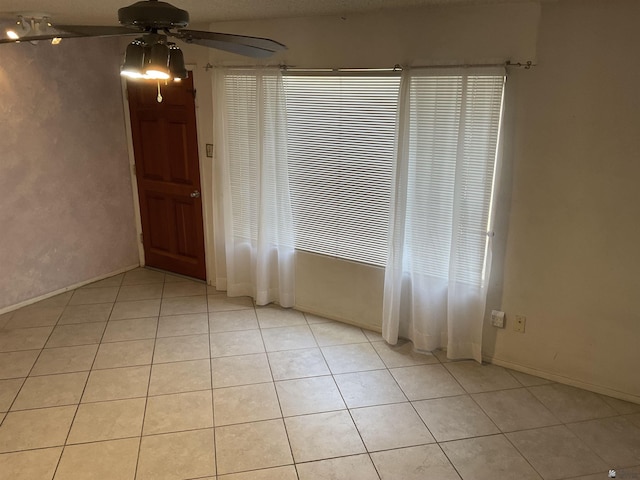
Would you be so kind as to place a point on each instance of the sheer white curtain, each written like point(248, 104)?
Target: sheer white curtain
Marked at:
point(254, 241)
point(440, 230)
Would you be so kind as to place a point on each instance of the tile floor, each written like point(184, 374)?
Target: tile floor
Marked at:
point(150, 376)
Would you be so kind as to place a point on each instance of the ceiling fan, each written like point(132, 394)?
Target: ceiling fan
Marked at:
point(152, 55)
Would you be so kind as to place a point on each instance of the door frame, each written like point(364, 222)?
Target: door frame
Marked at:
point(204, 128)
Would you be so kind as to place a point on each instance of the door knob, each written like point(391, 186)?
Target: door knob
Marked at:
point(195, 194)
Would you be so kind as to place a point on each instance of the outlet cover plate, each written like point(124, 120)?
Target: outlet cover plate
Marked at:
point(497, 318)
point(520, 323)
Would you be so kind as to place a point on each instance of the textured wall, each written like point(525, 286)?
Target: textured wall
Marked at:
point(66, 210)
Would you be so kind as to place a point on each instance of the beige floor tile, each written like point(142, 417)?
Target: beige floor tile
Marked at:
point(148, 291)
point(189, 324)
point(313, 319)
point(635, 419)
point(414, 463)
point(476, 378)
point(288, 338)
point(176, 349)
point(51, 391)
point(29, 465)
point(98, 312)
point(292, 364)
point(373, 336)
point(515, 409)
point(279, 473)
point(85, 296)
point(529, 380)
point(114, 281)
point(116, 384)
point(8, 391)
point(615, 440)
point(134, 329)
point(246, 403)
point(225, 344)
point(488, 458)
point(115, 460)
point(364, 389)
point(454, 418)
point(632, 473)
point(34, 317)
point(241, 370)
point(309, 395)
point(402, 355)
point(177, 412)
point(390, 426)
point(356, 357)
point(79, 334)
point(222, 303)
point(135, 309)
point(41, 428)
point(233, 320)
point(141, 276)
point(356, 467)
point(570, 404)
point(620, 406)
point(183, 305)
point(241, 447)
point(323, 435)
point(336, 333)
point(176, 456)
point(60, 300)
point(426, 381)
point(555, 452)
point(176, 278)
point(17, 364)
point(180, 377)
point(65, 360)
point(24, 338)
point(4, 319)
point(124, 354)
point(273, 316)
point(185, 288)
point(107, 421)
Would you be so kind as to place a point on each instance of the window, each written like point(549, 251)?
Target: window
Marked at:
point(340, 142)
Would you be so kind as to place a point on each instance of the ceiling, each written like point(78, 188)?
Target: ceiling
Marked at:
point(104, 12)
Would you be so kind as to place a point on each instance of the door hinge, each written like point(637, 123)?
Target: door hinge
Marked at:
point(141, 238)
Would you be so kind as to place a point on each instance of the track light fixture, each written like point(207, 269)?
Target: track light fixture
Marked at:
point(151, 57)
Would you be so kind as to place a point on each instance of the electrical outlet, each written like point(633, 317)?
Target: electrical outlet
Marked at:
point(497, 318)
point(520, 323)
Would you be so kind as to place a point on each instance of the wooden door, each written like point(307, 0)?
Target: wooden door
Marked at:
point(168, 175)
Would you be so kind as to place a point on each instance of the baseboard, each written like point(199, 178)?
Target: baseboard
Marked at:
point(31, 301)
point(562, 379)
point(337, 318)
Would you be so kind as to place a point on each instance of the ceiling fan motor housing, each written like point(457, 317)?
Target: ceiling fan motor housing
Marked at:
point(153, 14)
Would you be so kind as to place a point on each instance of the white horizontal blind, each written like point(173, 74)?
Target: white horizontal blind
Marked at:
point(453, 135)
point(340, 139)
point(241, 100)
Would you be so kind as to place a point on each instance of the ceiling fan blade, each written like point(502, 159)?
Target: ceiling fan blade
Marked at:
point(255, 47)
point(35, 38)
point(96, 30)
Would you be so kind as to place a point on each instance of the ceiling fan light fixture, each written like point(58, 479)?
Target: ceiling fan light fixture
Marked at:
point(133, 60)
point(176, 63)
point(157, 63)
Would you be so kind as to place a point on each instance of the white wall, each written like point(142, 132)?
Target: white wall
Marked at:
point(572, 254)
point(568, 223)
point(66, 214)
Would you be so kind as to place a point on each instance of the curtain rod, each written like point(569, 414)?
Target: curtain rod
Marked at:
point(396, 68)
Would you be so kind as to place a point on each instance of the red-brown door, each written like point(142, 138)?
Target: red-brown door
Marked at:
point(167, 170)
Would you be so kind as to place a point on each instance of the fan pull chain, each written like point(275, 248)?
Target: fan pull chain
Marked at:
point(159, 97)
